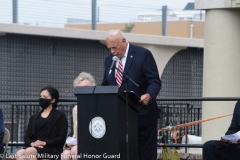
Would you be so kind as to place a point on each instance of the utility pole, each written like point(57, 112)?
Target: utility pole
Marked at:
point(15, 11)
point(164, 20)
point(94, 15)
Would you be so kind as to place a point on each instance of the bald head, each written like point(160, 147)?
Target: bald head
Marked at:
point(116, 43)
point(115, 34)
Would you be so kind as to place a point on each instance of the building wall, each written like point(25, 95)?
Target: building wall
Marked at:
point(180, 28)
point(183, 75)
point(183, 29)
point(29, 63)
point(151, 28)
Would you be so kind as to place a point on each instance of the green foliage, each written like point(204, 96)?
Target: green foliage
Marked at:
point(128, 28)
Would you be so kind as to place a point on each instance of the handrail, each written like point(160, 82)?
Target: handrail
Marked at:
point(198, 99)
point(36, 100)
point(158, 99)
point(180, 145)
point(160, 145)
point(16, 144)
point(174, 128)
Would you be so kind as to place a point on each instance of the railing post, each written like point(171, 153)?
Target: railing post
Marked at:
point(167, 122)
point(12, 126)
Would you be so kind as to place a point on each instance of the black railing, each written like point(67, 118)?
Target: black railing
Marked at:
point(170, 107)
point(17, 115)
point(173, 114)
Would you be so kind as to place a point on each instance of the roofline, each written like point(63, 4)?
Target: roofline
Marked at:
point(98, 35)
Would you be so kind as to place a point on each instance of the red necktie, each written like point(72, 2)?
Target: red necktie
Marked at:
point(119, 74)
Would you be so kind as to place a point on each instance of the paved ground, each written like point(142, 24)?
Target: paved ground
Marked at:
point(188, 156)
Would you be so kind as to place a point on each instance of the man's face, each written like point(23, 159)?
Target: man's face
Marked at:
point(116, 47)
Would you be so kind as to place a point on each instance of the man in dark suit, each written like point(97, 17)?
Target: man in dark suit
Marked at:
point(223, 149)
point(138, 63)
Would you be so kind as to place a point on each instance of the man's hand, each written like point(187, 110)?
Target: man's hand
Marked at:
point(145, 98)
point(224, 142)
point(238, 141)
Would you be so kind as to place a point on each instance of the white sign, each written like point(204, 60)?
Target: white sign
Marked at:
point(97, 127)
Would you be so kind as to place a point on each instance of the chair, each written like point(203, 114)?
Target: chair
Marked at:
point(5, 141)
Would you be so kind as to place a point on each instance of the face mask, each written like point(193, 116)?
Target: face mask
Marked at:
point(44, 103)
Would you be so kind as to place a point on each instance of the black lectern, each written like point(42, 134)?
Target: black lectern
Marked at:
point(102, 123)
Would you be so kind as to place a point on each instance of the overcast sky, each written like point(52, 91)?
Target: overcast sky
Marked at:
point(56, 12)
point(176, 4)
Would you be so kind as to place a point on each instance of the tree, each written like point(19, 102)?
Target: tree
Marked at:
point(128, 28)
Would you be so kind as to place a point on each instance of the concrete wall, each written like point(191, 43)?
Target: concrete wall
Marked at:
point(162, 55)
point(221, 62)
point(214, 4)
point(179, 28)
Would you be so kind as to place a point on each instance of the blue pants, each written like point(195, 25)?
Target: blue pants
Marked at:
point(215, 150)
point(147, 143)
point(1, 150)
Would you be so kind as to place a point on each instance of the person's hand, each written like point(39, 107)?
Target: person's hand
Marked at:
point(74, 136)
point(40, 146)
point(145, 98)
point(70, 145)
point(39, 143)
point(224, 142)
point(238, 141)
point(32, 144)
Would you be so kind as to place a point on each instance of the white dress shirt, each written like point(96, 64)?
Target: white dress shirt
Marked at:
point(124, 59)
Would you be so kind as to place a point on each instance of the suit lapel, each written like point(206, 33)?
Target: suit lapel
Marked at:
point(130, 57)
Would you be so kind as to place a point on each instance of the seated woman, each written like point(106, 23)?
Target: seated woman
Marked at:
point(84, 79)
point(47, 131)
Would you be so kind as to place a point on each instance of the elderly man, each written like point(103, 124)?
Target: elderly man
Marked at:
point(138, 63)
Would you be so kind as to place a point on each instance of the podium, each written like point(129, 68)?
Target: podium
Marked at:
point(102, 123)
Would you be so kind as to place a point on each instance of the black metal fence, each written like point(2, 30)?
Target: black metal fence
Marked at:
point(16, 115)
point(21, 115)
point(173, 114)
point(18, 112)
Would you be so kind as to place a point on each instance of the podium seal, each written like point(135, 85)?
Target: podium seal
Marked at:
point(97, 127)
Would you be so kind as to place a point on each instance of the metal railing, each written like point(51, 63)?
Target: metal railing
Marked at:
point(18, 112)
point(173, 112)
point(192, 99)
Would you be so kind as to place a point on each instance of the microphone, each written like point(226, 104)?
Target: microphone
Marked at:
point(114, 59)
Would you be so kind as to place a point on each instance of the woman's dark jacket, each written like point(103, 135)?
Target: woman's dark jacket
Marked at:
point(57, 131)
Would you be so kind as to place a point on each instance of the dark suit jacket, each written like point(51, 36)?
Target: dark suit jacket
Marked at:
point(141, 68)
point(57, 131)
point(235, 124)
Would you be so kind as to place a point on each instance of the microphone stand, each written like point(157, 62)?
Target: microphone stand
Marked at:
point(126, 78)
